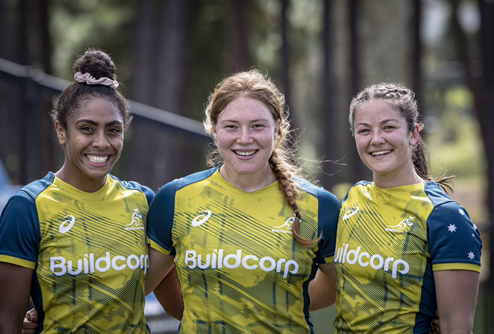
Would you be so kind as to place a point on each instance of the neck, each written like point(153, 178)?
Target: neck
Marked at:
point(249, 183)
point(405, 178)
point(87, 185)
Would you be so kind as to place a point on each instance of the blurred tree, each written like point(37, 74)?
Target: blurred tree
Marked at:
point(3, 29)
point(357, 169)
point(481, 86)
point(45, 36)
point(329, 145)
point(160, 69)
point(142, 64)
point(285, 61)
point(417, 50)
point(486, 9)
point(238, 42)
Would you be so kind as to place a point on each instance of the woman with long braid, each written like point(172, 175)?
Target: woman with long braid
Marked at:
point(248, 235)
point(404, 248)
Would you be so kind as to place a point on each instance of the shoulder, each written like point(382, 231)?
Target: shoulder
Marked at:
point(35, 188)
point(320, 193)
point(186, 181)
point(134, 186)
point(438, 196)
point(443, 205)
point(357, 188)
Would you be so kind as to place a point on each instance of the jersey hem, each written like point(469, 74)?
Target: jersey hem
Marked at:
point(156, 246)
point(456, 266)
point(17, 261)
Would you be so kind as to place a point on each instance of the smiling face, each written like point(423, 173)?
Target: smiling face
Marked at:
point(246, 136)
point(93, 142)
point(385, 144)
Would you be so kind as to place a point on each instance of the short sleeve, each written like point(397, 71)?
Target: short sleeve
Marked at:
point(160, 219)
point(19, 231)
point(329, 211)
point(454, 241)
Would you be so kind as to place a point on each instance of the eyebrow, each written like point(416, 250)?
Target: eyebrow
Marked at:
point(90, 121)
point(252, 121)
point(382, 122)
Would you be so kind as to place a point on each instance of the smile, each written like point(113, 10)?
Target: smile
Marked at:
point(97, 159)
point(245, 154)
point(378, 153)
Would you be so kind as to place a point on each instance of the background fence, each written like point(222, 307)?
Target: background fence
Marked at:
point(159, 146)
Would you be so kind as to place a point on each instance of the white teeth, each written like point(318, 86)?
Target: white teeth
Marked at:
point(97, 159)
point(245, 154)
point(380, 153)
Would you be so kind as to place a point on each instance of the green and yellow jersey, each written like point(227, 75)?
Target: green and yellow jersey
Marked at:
point(388, 245)
point(88, 252)
point(239, 266)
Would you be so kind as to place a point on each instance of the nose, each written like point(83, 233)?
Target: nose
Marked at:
point(100, 139)
point(377, 138)
point(245, 136)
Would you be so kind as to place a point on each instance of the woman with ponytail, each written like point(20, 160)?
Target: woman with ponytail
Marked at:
point(404, 248)
point(248, 235)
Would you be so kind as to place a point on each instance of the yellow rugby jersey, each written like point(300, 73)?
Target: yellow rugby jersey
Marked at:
point(88, 252)
point(239, 267)
point(388, 245)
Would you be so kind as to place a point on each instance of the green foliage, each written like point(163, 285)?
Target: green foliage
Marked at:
point(454, 139)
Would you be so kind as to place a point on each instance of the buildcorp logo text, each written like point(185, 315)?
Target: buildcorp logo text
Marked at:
point(60, 266)
point(218, 259)
point(376, 261)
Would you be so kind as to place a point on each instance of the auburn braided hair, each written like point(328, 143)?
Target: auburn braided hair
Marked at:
point(283, 161)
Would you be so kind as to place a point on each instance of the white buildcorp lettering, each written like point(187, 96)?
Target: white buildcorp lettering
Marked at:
point(231, 261)
point(60, 266)
point(376, 261)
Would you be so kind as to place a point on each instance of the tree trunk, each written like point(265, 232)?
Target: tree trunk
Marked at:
point(415, 25)
point(168, 92)
point(357, 169)
point(143, 47)
point(44, 36)
point(329, 146)
point(3, 29)
point(237, 38)
point(487, 48)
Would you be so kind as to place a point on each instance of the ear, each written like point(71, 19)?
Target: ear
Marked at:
point(414, 139)
point(61, 135)
point(277, 127)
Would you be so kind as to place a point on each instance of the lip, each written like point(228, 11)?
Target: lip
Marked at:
point(98, 164)
point(241, 156)
point(387, 152)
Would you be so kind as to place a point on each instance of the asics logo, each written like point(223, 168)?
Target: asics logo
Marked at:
point(350, 213)
point(201, 219)
point(402, 226)
point(67, 225)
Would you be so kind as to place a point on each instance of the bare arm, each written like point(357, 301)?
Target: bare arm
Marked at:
point(169, 295)
point(322, 290)
point(159, 266)
point(15, 286)
point(456, 292)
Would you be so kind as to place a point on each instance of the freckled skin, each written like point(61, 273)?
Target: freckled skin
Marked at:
point(245, 134)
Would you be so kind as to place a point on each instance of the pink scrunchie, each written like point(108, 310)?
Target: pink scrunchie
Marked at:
point(90, 80)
